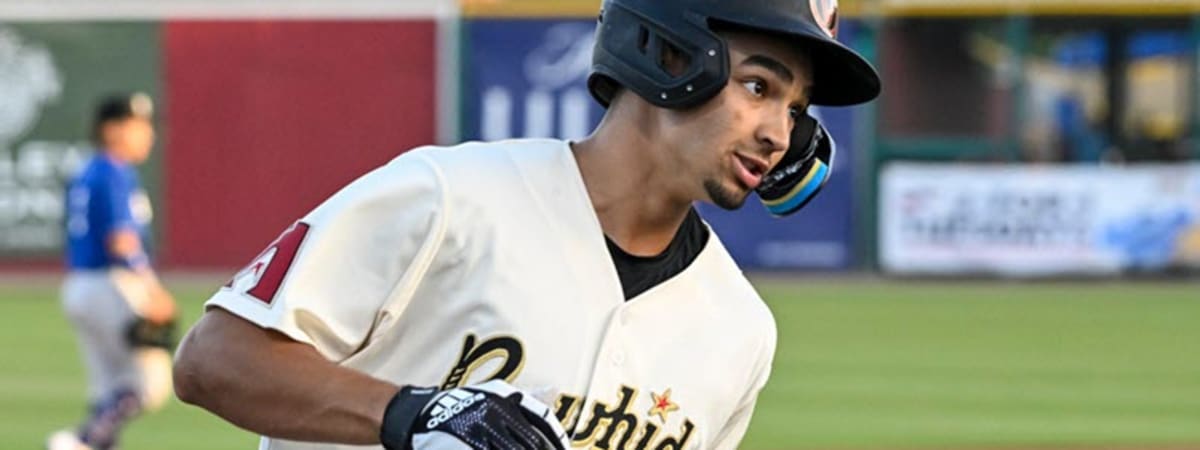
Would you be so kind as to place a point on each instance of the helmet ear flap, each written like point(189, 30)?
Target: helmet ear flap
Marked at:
point(803, 171)
point(670, 60)
point(804, 133)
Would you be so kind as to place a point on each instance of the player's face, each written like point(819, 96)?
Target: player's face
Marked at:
point(729, 143)
point(132, 139)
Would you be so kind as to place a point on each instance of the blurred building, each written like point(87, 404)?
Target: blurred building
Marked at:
point(1039, 81)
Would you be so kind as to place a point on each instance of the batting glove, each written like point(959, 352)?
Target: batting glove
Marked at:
point(488, 416)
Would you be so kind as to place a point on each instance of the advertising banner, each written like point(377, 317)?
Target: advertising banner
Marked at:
point(51, 77)
point(527, 78)
point(1031, 221)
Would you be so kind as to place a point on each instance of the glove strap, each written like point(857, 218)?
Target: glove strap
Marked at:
point(400, 416)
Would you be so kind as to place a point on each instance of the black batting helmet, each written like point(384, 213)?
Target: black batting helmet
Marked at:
point(632, 35)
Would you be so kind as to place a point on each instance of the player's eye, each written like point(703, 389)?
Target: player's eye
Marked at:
point(756, 87)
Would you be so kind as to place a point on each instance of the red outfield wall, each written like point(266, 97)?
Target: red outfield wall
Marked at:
point(267, 118)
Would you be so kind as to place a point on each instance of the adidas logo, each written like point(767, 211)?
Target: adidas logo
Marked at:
point(450, 404)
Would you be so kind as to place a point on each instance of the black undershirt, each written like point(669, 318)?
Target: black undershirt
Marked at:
point(640, 273)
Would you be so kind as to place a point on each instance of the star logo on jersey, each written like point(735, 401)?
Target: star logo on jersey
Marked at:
point(662, 405)
point(615, 423)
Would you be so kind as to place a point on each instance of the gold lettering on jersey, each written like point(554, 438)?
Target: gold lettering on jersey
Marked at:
point(507, 348)
point(648, 434)
point(678, 443)
point(616, 427)
point(606, 423)
point(567, 409)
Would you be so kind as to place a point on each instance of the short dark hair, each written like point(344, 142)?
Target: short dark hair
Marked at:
point(117, 107)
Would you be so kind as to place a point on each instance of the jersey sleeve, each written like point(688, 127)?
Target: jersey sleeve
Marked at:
point(735, 427)
point(328, 278)
point(113, 191)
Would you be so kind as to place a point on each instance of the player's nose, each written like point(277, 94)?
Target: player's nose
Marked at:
point(774, 132)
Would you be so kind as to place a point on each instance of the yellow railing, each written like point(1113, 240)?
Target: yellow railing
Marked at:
point(530, 8)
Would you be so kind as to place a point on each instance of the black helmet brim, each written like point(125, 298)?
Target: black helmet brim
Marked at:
point(841, 76)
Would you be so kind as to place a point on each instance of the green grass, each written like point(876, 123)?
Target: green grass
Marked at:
point(861, 364)
point(977, 364)
point(42, 386)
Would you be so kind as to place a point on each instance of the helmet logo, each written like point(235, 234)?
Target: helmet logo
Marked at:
point(825, 13)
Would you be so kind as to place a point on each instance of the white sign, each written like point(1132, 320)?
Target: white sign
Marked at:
point(1038, 220)
point(28, 80)
point(32, 171)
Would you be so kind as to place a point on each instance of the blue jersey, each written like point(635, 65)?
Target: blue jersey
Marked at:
point(104, 197)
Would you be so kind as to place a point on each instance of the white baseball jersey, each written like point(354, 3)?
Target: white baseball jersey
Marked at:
point(451, 266)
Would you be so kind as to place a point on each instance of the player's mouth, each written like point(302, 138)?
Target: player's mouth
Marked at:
point(749, 170)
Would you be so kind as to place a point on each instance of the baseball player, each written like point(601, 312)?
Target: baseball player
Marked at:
point(122, 315)
point(542, 294)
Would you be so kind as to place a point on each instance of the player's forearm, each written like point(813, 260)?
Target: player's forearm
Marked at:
point(125, 246)
point(268, 384)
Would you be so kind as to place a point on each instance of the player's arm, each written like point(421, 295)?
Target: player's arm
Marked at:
point(265, 382)
point(124, 245)
point(304, 397)
point(264, 355)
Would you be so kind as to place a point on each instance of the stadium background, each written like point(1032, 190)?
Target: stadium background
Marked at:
point(1006, 257)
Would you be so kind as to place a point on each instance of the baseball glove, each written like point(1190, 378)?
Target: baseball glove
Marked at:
point(145, 333)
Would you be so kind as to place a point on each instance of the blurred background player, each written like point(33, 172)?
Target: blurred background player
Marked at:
point(122, 315)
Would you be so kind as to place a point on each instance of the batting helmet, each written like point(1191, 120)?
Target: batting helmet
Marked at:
point(633, 34)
